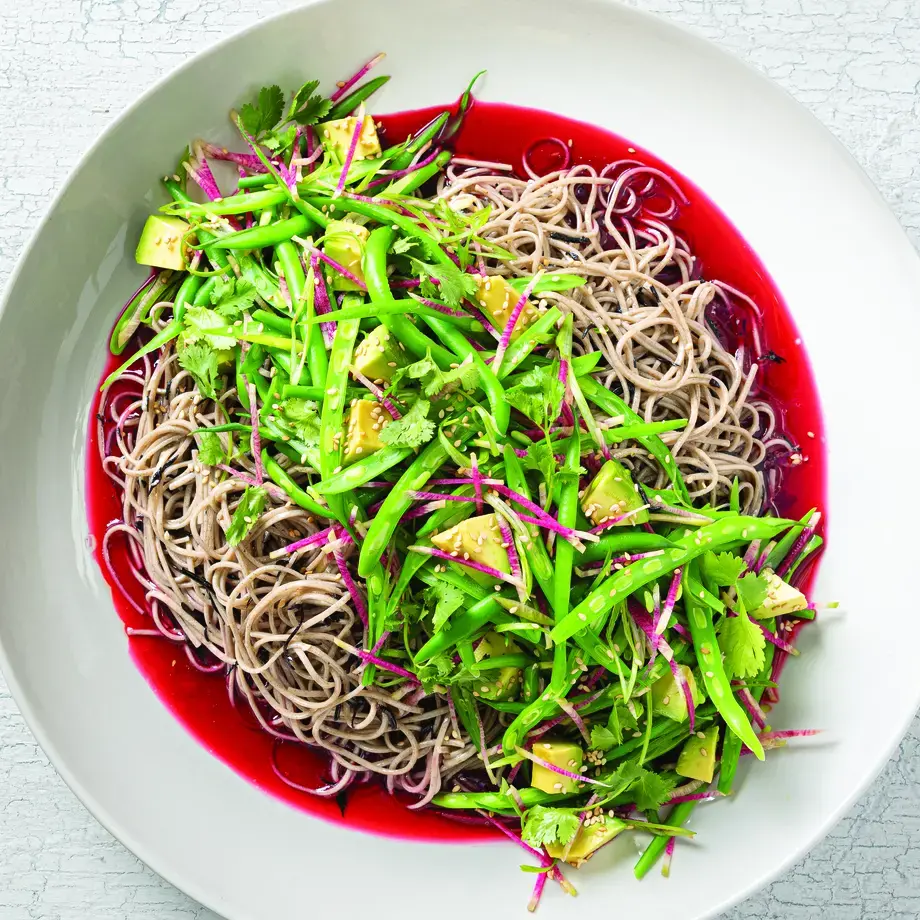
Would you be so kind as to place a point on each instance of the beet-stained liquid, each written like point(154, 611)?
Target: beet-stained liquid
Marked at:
point(499, 133)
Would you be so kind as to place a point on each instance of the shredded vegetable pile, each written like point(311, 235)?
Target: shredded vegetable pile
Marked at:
point(447, 472)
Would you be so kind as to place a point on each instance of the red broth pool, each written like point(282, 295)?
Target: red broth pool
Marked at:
point(499, 133)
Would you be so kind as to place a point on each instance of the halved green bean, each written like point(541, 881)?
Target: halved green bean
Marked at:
point(418, 141)
point(256, 181)
point(317, 394)
point(462, 626)
point(235, 204)
point(522, 346)
point(678, 818)
point(134, 312)
point(623, 541)
point(317, 359)
point(414, 180)
point(158, 341)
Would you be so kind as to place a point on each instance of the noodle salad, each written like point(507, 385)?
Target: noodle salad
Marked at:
point(448, 472)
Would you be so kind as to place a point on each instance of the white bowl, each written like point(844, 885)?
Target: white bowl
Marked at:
point(836, 253)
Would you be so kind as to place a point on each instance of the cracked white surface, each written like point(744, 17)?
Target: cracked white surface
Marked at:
point(68, 66)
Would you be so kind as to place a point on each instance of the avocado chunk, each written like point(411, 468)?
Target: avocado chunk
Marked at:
point(344, 242)
point(698, 756)
point(366, 419)
point(668, 697)
point(336, 137)
point(612, 493)
point(781, 598)
point(379, 355)
point(588, 840)
point(160, 245)
point(564, 754)
point(506, 685)
point(497, 300)
point(477, 538)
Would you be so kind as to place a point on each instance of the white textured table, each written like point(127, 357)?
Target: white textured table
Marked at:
point(68, 66)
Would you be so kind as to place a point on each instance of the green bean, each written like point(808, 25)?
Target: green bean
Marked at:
point(462, 626)
point(134, 312)
point(414, 180)
point(418, 141)
point(317, 394)
point(653, 852)
point(378, 288)
point(565, 552)
point(632, 577)
point(363, 470)
point(543, 708)
point(613, 405)
point(395, 307)
point(731, 754)
point(268, 235)
point(282, 360)
point(330, 426)
point(256, 181)
point(317, 359)
point(282, 479)
point(347, 104)
point(187, 293)
point(709, 657)
point(273, 321)
point(456, 342)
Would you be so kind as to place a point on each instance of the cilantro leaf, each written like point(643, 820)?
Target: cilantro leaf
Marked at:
point(211, 451)
point(540, 457)
point(315, 109)
point(539, 394)
point(752, 591)
point(412, 430)
point(722, 569)
point(302, 416)
point(623, 720)
point(549, 825)
point(232, 297)
point(247, 512)
point(435, 670)
point(453, 284)
point(742, 643)
point(652, 789)
point(261, 116)
point(446, 599)
point(280, 140)
point(603, 739)
point(198, 323)
point(466, 376)
point(200, 360)
point(403, 245)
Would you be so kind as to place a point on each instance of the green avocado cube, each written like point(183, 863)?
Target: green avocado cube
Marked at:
point(336, 137)
point(363, 424)
point(344, 242)
point(563, 754)
point(379, 355)
point(612, 493)
point(698, 756)
point(506, 685)
point(781, 598)
point(668, 697)
point(161, 243)
point(497, 300)
point(589, 839)
point(479, 539)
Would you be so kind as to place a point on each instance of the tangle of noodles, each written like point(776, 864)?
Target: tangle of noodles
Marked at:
point(284, 631)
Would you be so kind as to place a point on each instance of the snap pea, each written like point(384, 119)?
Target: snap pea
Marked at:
point(452, 575)
point(235, 204)
point(347, 104)
point(709, 658)
point(395, 307)
point(397, 503)
point(186, 294)
point(632, 577)
point(565, 553)
point(363, 470)
point(330, 425)
point(378, 288)
point(627, 541)
point(540, 563)
point(677, 818)
point(530, 689)
point(541, 709)
point(158, 341)
point(269, 235)
point(282, 479)
point(496, 801)
point(203, 294)
point(256, 181)
point(317, 394)
point(580, 364)
point(495, 393)
point(731, 755)
point(613, 405)
point(781, 550)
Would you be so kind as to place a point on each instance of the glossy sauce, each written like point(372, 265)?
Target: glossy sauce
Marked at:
point(498, 133)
